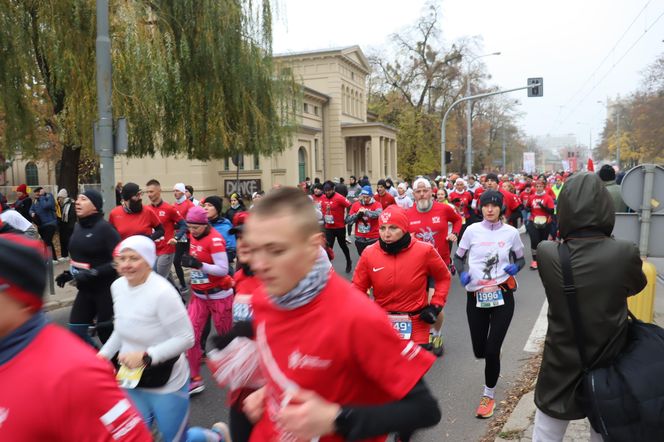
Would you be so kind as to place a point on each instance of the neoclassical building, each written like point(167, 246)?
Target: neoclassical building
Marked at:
point(336, 136)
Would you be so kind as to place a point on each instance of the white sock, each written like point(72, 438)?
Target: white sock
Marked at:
point(489, 391)
point(435, 332)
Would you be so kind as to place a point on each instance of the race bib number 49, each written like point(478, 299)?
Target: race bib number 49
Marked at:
point(403, 325)
point(489, 297)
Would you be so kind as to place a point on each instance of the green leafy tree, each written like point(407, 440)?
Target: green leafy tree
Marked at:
point(193, 78)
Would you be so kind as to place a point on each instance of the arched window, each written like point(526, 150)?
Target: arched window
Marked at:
point(31, 174)
point(302, 163)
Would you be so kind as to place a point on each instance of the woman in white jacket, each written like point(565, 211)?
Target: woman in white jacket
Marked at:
point(151, 333)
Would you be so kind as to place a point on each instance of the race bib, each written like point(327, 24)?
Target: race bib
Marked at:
point(363, 228)
point(540, 220)
point(129, 377)
point(489, 297)
point(329, 219)
point(403, 325)
point(199, 277)
point(242, 310)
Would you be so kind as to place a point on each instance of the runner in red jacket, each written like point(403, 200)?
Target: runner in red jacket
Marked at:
point(541, 211)
point(334, 366)
point(334, 206)
point(364, 213)
point(52, 386)
point(383, 196)
point(428, 219)
point(131, 218)
point(398, 268)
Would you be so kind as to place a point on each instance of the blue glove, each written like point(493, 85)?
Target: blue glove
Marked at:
point(511, 269)
point(465, 278)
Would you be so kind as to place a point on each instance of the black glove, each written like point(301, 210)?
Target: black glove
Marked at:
point(240, 329)
point(84, 276)
point(63, 278)
point(430, 313)
point(190, 261)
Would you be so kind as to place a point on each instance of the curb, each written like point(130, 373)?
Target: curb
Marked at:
point(520, 420)
point(54, 305)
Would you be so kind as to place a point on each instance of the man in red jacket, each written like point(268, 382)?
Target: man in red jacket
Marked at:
point(53, 387)
point(171, 220)
point(323, 345)
point(364, 213)
point(428, 222)
point(383, 196)
point(398, 268)
point(130, 219)
point(334, 206)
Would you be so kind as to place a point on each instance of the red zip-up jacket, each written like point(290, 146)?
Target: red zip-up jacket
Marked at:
point(400, 281)
point(385, 200)
point(334, 210)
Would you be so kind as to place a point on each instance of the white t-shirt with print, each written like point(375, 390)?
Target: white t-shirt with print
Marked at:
point(489, 253)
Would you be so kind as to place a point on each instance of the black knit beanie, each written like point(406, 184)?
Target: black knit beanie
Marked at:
point(216, 202)
point(22, 269)
point(96, 199)
point(607, 173)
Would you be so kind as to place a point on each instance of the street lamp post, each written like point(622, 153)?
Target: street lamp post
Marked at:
point(617, 110)
point(469, 114)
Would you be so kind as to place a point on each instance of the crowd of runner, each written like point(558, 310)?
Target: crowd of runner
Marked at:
point(263, 276)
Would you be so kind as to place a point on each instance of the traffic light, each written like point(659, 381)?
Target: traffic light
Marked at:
point(448, 157)
point(536, 91)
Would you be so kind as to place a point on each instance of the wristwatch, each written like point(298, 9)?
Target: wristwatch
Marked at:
point(147, 359)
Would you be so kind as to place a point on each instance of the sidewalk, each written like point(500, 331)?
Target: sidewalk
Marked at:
point(519, 426)
point(64, 297)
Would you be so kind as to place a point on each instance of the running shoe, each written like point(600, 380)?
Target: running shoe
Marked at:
point(485, 410)
point(437, 347)
point(196, 386)
point(349, 267)
point(223, 431)
point(348, 240)
point(533, 265)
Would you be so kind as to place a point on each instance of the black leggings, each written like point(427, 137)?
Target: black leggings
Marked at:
point(181, 248)
point(88, 305)
point(488, 327)
point(340, 235)
point(46, 233)
point(537, 236)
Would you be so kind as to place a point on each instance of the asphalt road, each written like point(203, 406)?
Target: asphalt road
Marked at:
point(457, 378)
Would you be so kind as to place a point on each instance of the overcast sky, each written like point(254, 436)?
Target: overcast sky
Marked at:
point(580, 47)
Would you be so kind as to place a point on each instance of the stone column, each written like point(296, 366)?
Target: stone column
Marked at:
point(374, 160)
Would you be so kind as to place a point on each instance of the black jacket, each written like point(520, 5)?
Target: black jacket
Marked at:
point(606, 271)
point(93, 242)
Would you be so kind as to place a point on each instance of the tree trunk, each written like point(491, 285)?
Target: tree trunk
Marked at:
point(68, 179)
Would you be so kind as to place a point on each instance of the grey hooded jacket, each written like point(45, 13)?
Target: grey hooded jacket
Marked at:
point(606, 271)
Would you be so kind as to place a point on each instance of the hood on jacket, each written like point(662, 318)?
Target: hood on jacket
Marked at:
point(585, 204)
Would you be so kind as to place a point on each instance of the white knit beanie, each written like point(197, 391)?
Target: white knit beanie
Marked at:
point(142, 245)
